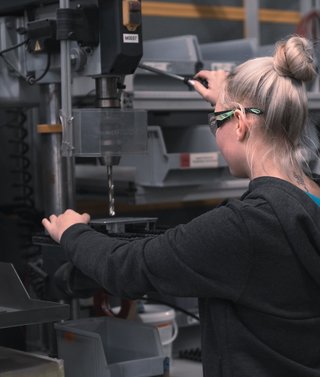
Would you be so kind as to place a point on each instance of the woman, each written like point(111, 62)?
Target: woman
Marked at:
point(254, 263)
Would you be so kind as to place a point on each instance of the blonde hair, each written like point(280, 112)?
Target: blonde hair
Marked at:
point(276, 85)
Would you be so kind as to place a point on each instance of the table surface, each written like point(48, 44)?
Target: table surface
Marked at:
point(185, 368)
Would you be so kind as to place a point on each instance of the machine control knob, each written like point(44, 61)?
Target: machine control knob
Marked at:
point(78, 58)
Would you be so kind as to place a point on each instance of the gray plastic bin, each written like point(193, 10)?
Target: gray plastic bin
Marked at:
point(109, 347)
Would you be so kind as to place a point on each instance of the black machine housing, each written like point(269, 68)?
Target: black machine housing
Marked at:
point(102, 21)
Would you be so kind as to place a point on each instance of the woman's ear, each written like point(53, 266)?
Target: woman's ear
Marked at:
point(242, 129)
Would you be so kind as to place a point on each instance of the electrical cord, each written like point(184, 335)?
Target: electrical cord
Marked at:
point(30, 79)
point(8, 62)
point(13, 47)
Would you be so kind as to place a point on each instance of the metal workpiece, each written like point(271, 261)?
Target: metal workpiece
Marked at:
point(122, 225)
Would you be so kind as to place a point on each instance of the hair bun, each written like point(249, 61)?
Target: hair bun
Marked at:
point(295, 58)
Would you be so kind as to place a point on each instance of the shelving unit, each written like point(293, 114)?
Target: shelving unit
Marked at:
point(16, 306)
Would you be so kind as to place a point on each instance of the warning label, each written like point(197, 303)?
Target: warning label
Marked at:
point(199, 160)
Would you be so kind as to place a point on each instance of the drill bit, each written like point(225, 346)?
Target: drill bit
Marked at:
point(111, 211)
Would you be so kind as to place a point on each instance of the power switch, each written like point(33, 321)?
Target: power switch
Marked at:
point(131, 10)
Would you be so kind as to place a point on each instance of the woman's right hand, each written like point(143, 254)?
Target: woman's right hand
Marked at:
point(215, 80)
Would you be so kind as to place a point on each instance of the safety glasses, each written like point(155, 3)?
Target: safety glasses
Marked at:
point(218, 118)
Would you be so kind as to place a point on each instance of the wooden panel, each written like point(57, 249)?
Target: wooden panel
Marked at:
point(185, 10)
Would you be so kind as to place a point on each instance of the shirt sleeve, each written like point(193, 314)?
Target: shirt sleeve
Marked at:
point(208, 257)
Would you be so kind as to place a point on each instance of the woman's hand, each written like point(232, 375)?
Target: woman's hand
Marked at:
point(215, 80)
point(56, 225)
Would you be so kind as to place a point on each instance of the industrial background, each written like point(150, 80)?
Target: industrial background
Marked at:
point(106, 125)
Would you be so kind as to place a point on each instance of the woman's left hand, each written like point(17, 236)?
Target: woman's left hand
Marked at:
point(56, 225)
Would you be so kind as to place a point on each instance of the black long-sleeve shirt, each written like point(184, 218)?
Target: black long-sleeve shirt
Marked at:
point(254, 264)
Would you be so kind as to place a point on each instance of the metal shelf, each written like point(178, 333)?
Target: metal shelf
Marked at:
point(16, 306)
point(314, 100)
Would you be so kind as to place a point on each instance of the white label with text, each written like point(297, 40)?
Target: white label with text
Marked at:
point(130, 38)
point(204, 160)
